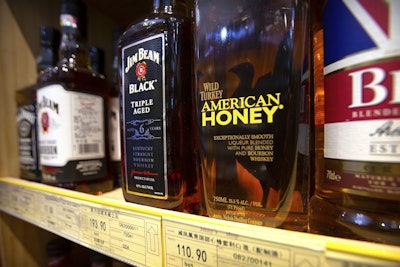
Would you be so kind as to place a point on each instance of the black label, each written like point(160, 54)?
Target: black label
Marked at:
point(143, 99)
point(27, 137)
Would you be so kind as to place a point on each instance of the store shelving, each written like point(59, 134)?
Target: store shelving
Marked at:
point(132, 233)
point(146, 236)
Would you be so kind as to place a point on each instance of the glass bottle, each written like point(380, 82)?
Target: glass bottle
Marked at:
point(26, 106)
point(58, 252)
point(100, 260)
point(72, 113)
point(115, 113)
point(97, 61)
point(357, 61)
point(252, 110)
point(155, 73)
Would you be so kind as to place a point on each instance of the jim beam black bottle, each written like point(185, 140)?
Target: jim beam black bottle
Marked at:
point(249, 58)
point(155, 68)
point(72, 112)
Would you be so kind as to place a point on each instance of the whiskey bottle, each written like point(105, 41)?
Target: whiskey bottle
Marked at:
point(357, 121)
point(72, 112)
point(96, 56)
point(155, 72)
point(26, 106)
point(251, 110)
point(49, 44)
point(114, 113)
point(98, 259)
point(58, 252)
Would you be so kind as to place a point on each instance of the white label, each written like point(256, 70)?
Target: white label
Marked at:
point(115, 129)
point(71, 125)
point(375, 140)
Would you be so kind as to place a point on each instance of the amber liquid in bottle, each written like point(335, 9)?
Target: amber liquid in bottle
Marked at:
point(249, 103)
point(156, 87)
point(72, 113)
point(356, 199)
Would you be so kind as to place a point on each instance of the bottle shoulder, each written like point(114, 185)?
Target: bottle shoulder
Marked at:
point(151, 25)
point(74, 79)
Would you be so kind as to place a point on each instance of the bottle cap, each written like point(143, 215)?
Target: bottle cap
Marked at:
point(76, 8)
point(74, 14)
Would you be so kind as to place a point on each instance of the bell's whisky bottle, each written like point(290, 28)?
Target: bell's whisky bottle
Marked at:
point(250, 110)
point(72, 112)
point(155, 56)
point(357, 48)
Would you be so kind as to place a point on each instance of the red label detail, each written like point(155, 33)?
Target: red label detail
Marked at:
point(364, 93)
point(45, 121)
point(379, 10)
point(141, 70)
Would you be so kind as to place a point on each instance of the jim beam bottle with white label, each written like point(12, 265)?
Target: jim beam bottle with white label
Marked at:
point(71, 112)
point(155, 56)
point(358, 122)
point(250, 103)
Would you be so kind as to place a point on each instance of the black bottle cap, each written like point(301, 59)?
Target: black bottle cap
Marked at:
point(161, 3)
point(175, 4)
point(57, 247)
point(77, 9)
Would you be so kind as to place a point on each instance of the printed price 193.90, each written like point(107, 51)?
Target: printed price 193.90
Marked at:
point(98, 224)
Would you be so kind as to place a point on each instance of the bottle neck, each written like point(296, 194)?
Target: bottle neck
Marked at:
point(73, 52)
point(47, 58)
point(170, 6)
point(49, 44)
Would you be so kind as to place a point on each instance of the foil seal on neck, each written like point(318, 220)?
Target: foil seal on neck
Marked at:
point(67, 20)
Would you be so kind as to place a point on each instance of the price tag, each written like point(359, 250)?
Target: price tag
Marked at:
point(48, 211)
point(20, 201)
point(132, 236)
point(190, 244)
point(6, 198)
point(189, 247)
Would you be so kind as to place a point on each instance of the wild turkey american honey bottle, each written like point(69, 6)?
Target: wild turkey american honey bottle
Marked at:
point(155, 56)
point(250, 99)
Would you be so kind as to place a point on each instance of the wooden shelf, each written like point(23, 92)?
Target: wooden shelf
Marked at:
point(146, 236)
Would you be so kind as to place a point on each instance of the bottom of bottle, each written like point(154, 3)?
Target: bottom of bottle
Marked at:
point(94, 187)
point(30, 175)
point(333, 219)
point(169, 204)
point(189, 202)
point(283, 218)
